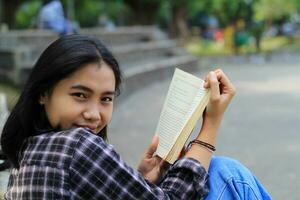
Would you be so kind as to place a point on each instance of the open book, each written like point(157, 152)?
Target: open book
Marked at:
point(185, 102)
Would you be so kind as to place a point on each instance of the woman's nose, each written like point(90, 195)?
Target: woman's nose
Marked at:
point(92, 113)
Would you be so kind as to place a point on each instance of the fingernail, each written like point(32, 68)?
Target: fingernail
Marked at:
point(213, 75)
point(156, 137)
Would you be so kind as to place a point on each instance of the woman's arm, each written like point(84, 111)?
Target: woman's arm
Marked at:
point(222, 91)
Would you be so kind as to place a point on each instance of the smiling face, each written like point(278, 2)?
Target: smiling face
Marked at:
point(84, 99)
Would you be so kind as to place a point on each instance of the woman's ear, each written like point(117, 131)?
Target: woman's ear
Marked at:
point(42, 99)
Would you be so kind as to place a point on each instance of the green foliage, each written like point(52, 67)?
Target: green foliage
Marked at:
point(164, 14)
point(88, 11)
point(194, 7)
point(116, 11)
point(27, 14)
point(296, 4)
point(271, 10)
point(200, 47)
point(227, 11)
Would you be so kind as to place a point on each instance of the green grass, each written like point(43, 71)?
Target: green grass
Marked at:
point(294, 45)
point(268, 44)
point(206, 48)
point(274, 43)
point(12, 93)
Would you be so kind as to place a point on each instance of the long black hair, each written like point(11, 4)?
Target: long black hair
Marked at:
point(62, 58)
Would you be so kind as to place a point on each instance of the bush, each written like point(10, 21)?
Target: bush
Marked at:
point(27, 14)
point(88, 12)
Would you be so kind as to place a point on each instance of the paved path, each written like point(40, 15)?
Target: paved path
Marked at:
point(260, 128)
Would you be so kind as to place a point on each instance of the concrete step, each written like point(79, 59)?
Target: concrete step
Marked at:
point(31, 38)
point(138, 77)
point(125, 35)
point(127, 55)
point(134, 53)
point(138, 49)
point(118, 36)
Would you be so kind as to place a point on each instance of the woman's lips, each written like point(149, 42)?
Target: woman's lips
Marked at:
point(91, 127)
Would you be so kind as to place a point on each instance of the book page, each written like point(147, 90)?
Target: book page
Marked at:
point(189, 126)
point(184, 94)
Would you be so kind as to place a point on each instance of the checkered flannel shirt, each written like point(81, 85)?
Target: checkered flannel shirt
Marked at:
point(76, 164)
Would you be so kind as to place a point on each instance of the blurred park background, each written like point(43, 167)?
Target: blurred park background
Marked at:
point(257, 42)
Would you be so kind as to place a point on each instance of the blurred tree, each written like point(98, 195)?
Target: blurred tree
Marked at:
point(271, 10)
point(173, 14)
point(143, 11)
point(296, 5)
point(1, 8)
point(181, 12)
point(257, 29)
point(230, 11)
point(8, 11)
point(27, 14)
point(21, 13)
point(88, 11)
point(179, 17)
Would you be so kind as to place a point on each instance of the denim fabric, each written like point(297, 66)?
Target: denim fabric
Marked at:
point(229, 179)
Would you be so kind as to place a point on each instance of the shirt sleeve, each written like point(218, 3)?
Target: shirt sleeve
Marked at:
point(98, 172)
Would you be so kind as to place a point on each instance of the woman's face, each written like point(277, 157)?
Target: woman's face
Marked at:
point(84, 99)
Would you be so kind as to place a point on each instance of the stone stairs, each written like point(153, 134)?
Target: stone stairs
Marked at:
point(145, 53)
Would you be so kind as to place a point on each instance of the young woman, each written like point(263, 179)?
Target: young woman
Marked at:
point(55, 137)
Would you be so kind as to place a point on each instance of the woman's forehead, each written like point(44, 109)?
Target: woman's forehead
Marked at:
point(93, 76)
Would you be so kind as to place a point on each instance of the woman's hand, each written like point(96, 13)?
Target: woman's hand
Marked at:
point(222, 91)
point(152, 167)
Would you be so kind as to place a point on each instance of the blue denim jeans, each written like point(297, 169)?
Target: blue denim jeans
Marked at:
point(229, 179)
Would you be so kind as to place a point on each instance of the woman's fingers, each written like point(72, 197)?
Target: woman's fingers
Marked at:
point(222, 77)
point(225, 84)
point(221, 93)
point(152, 148)
point(164, 165)
point(214, 86)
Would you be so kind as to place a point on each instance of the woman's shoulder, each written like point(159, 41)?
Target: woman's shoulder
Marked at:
point(70, 138)
point(82, 135)
point(55, 149)
point(74, 134)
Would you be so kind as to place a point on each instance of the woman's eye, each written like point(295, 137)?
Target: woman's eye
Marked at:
point(80, 95)
point(107, 99)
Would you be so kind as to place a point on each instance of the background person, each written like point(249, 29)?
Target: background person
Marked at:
point(52, 17)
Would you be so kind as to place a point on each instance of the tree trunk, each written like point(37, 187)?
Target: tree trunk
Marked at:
point(178, 26)
point(9, 8)
point(143, 12)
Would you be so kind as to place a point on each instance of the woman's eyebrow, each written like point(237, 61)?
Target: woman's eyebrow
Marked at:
point(109, 93)
point(81, 87)
point(84, 88)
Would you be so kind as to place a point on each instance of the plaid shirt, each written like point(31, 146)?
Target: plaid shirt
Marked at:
point(76, 164)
